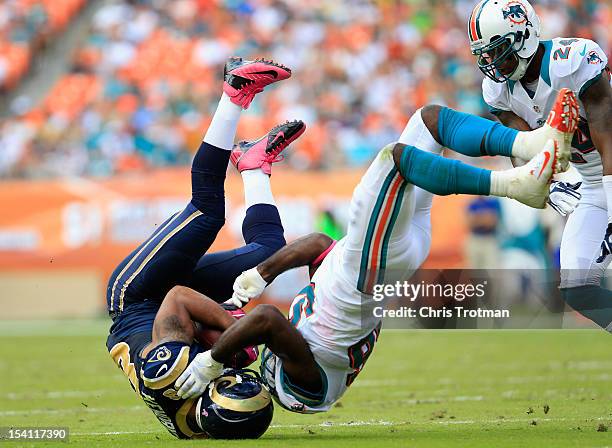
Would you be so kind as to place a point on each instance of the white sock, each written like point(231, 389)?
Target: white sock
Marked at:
point(222, 129)
point(257, 188)
point(500, 180)
point(519, 147)
point(416, 134)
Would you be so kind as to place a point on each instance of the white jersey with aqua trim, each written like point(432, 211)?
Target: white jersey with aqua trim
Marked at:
point(573, 63)
point(328, 314)
point(388, 238)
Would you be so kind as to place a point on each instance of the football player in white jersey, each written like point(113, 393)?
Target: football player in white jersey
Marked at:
point(523, 76)
point(312, 357)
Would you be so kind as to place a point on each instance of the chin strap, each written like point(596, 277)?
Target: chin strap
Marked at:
point(521, 68)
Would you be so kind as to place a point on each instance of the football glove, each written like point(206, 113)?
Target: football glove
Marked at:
point(201, 371)
point(248, 285)
point(606, 244)
point(564, 197)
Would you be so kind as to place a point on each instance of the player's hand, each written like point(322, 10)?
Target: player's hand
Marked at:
point(201, 371)
point(606, 244)
point(564, 197)
point(247, 286)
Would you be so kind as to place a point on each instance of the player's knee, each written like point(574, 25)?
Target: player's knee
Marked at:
point(431, 115)
point(212, 205)
point(398, 151)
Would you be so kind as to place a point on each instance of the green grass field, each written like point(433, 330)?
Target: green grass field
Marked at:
point(419, 388)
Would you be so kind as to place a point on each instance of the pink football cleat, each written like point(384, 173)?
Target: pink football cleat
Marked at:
point(245, 79)
point(262, 153)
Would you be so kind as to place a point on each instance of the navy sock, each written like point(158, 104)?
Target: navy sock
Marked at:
point(443, 176)
point(208, 179)
point(474, 136)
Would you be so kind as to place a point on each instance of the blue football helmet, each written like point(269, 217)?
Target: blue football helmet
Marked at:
point(237, 405)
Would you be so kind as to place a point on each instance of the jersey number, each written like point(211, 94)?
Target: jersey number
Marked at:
point(121, 355)
point(582, 143)
point(360, 352)
point(302, 305)
point(562, 53)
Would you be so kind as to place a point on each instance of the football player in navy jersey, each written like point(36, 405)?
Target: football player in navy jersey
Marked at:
point(236, 405)
point(175, 254)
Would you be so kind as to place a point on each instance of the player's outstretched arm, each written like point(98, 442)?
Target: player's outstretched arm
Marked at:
point(301, 252)
point(267, 325)
point(181, 307)
point(264, 325)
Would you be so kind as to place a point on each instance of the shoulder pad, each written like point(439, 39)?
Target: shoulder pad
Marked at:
point(569, 55)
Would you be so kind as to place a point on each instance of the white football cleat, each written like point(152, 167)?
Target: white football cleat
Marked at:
point(529, 183)
point(560, 126)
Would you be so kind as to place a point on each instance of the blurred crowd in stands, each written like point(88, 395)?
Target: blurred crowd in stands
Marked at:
point(26, 26)
point(146, 77)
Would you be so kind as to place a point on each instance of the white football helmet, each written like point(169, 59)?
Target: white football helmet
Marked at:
point(504, 35)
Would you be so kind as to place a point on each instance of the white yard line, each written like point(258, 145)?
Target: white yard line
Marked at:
point(114, 433)
point(371, 423)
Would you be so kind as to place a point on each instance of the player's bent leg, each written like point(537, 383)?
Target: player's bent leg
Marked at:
point(527, 184)
point(468, 134)
point(262, 228)
point(170, 254)
point(581, 275)
point(410, 237)
point(475, 136)
point(263, 233)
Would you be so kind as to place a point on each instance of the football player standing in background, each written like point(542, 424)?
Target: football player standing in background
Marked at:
point(523, 76)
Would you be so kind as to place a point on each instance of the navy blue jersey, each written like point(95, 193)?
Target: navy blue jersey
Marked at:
point(153, 376)
point(175, 255)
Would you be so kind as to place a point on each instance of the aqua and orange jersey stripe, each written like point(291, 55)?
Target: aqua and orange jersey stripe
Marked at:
point(380, 231)
point(381, 223)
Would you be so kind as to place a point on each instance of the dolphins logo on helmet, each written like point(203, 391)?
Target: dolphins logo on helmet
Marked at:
point(515, 13)
point(593, 58)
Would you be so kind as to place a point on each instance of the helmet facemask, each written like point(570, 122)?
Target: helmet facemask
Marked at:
point(501, 49)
